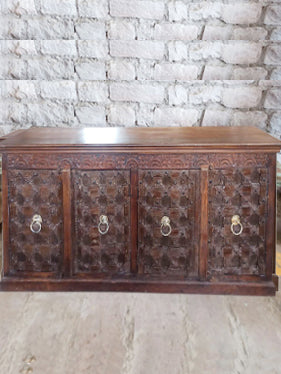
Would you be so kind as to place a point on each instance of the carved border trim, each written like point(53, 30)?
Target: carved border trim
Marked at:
point(98, 161)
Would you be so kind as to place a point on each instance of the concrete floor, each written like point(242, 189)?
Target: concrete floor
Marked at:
point(107, 333)
point(126, 333)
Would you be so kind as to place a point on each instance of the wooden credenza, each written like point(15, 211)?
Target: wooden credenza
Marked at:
point(140, 209)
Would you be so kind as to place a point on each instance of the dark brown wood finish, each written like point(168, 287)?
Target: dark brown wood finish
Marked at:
point(31, 193)
point(203, 252)
point(67, 222)
point(5, 212)
point(101, 249)
point(271, 218)
point(198, 177)
point(243, 192)
point(195, 138)
point(134, 220)
point(170, 194)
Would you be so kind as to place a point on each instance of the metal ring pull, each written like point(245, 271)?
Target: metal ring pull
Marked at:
point(235, 221)
point(36, 224)
point(165, 223)
point(103, 222)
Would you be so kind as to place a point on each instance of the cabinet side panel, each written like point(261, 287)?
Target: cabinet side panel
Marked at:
point(5, 213)
point(271, 218)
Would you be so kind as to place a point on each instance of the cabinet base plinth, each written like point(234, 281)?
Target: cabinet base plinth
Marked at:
point(264, 288)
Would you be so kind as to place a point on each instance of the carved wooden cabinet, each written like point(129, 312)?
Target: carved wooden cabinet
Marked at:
point(140, 209)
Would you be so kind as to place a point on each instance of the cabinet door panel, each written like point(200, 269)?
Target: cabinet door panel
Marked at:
point(35, 192)
point(97, 194)
point(241, 192)
point(173, 194)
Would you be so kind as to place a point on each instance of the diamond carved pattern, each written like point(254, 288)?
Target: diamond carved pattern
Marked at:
point(174, 194)
point(99, 193)
point(35, 192)
point(244, 192)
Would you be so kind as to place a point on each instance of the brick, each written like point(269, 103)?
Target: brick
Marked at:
point(12, 68)
point(175, 31)
point(255, 73)
point(275, 126)
point(145, 29)
point(205, 95)
point(177, 95)
point(12, 28)
point(205, 10)
point(137, 49)
point(215, 72)
point(273, 99)
point(18, 7)
point(19, 89)
point(241, 97)
point(93, 92)
point(91, 70)
point(121, 70)
point(177, 51)
point(145, 114)
point(50, 68)
point(18, 47)
point(136, 92)
point(249, 118)
point(93, 8)
point(276, 74)
point(145, 69)
point(169, 72)
point(59, 7)
point(276, 34)
point(242, 53)
point(177, 11)
point(213, 117)
point(273, 15)
point(241, 13)
point(121, 115)
point(205, 50)
point(50, 28)
point(59, 47)
point(47, 112)
point(137, 9)
point(90, 30)
point(217, 32)
point(273, 55)
point(13, 112)
point(175, 117)
point(61, 90)
point(249, 33)
point(93, 48)
point(90, 115)
point(121, 29)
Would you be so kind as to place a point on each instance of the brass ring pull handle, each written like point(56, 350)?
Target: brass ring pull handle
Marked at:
point(166, 228)
point(103, 222)
point(235, 221)
point(36, 224)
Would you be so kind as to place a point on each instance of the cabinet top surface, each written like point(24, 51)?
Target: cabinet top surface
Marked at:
point(202, 137)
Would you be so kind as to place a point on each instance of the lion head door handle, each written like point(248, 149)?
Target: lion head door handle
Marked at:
point(36, 224)
point(103, 226)
point(235, 221)
point(166, 228)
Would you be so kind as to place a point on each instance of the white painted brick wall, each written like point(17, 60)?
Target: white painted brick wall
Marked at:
point(140, 63)
point(137, 9)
